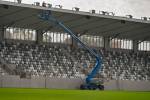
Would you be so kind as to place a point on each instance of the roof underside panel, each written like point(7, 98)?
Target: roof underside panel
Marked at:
point(26, 16)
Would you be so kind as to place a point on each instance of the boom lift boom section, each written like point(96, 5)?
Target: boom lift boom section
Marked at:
point(47, 16)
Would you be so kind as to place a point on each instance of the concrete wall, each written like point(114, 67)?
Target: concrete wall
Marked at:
point(15, 81)
point(70, 83)
point(111, 85)
point(40, 82)
point(127, 85)
point(135, 86)
point(61, 83)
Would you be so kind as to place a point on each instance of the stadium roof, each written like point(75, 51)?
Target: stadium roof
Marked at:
point(26, 16)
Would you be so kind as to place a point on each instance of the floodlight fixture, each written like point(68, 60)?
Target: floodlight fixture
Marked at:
point(75, 8)
point(37, 3)
point(49, 5)
point(58, 6)
point(144, 18)
point(129, 16)
point(92, 11)
point(103, 12)
point(112, 13)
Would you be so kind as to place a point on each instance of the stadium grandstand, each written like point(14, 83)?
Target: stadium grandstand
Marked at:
point(35, 53)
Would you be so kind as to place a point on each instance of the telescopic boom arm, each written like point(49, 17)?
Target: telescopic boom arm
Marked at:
point(47, 16)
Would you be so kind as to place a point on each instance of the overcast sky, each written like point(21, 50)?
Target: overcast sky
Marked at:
point(137, 8)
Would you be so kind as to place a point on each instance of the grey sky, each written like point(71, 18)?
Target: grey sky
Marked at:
point(137, 8)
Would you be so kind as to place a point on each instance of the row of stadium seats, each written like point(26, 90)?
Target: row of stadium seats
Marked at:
point(39, 60)
point(119, 64)
point(63, 61)
point(126, 65)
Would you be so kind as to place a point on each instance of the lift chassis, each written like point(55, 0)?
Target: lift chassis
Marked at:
point(89, 83)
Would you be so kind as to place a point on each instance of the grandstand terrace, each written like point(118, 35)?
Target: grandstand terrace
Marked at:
point(30, 47)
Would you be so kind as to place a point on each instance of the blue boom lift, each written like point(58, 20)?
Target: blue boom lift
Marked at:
point(89, 84)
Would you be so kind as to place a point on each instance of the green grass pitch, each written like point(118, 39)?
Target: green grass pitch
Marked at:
point(48, 94)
